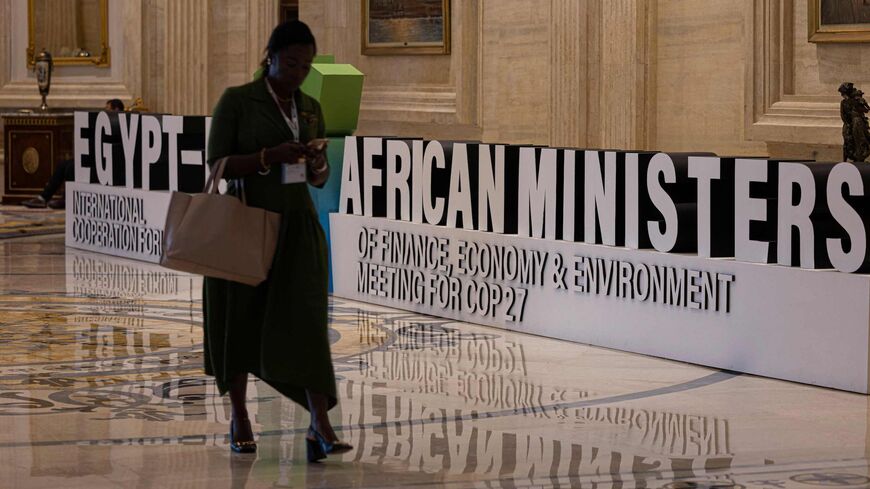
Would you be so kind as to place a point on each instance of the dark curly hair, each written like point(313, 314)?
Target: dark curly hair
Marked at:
point(287, 34)
point(115, 104)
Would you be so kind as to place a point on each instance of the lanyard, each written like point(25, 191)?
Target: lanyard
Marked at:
point(293, 120)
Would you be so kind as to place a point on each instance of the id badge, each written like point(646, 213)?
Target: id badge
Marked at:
point(293, 173)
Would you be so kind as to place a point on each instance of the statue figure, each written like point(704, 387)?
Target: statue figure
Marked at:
point(856, 131)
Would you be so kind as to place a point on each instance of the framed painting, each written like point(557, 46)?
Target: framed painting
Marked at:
point(838, 20)
point(405, 27)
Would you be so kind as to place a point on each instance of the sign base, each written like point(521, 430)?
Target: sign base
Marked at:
point(810, 326)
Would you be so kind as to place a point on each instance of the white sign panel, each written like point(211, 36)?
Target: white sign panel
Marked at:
point(803, 325)
point(116, 220)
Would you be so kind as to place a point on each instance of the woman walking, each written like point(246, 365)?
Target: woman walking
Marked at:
point(277, 330)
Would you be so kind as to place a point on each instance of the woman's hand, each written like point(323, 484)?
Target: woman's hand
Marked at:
point(317, 168)
point(316, 164)
point(289, 152)
point(316, 161)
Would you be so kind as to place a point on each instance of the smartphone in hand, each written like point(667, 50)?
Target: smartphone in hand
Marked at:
point(316, 146)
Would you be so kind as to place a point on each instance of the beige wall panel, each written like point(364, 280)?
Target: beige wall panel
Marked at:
point(336, 25)
point(406, 95)
point(700, 77)
point(675, 75)
point(819, 68)
point(516, 71)
point(792, 84)
point(227, 56)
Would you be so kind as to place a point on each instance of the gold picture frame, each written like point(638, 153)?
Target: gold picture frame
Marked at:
point(399, 27)
point(101, 58)
point(833, 32)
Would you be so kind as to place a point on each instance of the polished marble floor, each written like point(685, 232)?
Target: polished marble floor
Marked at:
point(101, 386)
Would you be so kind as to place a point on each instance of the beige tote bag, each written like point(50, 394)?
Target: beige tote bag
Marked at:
point(219, 235)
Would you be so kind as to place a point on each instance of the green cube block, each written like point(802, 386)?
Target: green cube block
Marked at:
point(338, 88)
point(324, 58)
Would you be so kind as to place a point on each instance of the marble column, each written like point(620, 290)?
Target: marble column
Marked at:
point(239, 32)
point(262, 18)
point(185, 48)
point(603, 68)
point(194, 49)
point(568, 103)
point(624, 61)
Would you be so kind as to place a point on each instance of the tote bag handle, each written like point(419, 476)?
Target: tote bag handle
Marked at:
point(214, 179)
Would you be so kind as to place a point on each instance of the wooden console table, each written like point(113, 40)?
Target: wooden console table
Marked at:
point(35, 143)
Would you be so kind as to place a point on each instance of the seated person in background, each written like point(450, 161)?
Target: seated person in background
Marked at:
point(65, 172)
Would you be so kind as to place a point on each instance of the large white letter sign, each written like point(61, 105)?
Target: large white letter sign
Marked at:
point(350, 179)
point(129, 125)
point(490, 191)
point(846, 174)
point(459, 201)
point(152, 143)
point(569, 192)
point(705, 169)
point(398, 173)
point(788, 215)
point(600, 198)
point(432, 211)
point(536, 199)
point(173, 125)
point(103, 151)
point(80, 146)
point(371, 175)
point(748, 209)
point(662, 240)
point(417, 181)
point(632, 201)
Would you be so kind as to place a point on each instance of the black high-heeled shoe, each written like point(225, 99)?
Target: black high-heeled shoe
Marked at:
point(241, 446)
point(317, 447)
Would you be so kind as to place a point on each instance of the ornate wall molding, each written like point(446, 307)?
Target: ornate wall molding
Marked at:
point(79, 86)
point(160, 52)
point(773, 111)
point(432, 96)
point(83, 86)
point(415, 105)
point(453, 105)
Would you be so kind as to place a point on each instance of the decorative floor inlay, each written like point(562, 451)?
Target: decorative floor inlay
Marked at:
point(101, 385)
point(20, 221)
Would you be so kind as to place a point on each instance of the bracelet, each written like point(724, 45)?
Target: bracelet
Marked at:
point(264, 170)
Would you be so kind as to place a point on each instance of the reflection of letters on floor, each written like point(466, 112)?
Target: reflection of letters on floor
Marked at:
point(654, 441)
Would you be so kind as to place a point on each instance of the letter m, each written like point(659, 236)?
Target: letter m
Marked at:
point(536, 199)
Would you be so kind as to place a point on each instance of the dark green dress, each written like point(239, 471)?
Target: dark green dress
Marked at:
point(277, 330)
